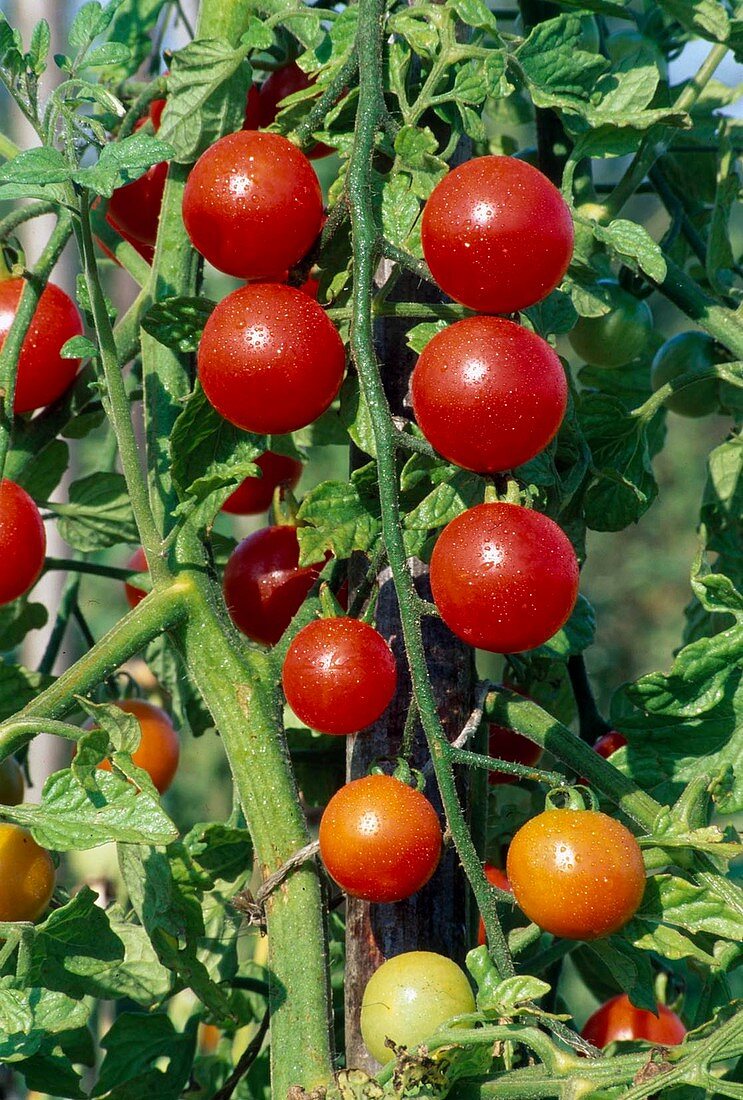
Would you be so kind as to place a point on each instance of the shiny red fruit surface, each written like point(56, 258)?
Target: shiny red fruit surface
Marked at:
point(252, 205)
point(618, 1020)
point(43, 375)
point(256, 493)
point(264, 586)
point(269, 360)
point(488, 394)
point(608, 743)
point(22, 541)
point(380, 839)
point(504, 578)
point(280, 84)
point(339, 675)
point(497, 235)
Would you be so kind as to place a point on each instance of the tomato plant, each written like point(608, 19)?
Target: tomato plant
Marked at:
point(488, 394)
point(423, 383)
point(409, 997)
point(576, 873)
point(339, 675)
point(619, 1020)
point(380, 839)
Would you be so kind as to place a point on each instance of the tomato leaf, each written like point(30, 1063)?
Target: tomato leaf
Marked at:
point(122, 162)
point(340, 517)
point(98, 513)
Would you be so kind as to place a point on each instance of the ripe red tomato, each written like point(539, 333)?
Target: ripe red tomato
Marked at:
point(264, 586)
point(159, 748)
point(280, 84)
point(146, 251)
point(576, 873)
point(157, 106)
point(26, 875)
point(134, 209)
point(22, 542)
point(608, 743)
point(339, 675)
point(503, 577)
point(496, 877)
point(618, 1020)
point(256, 493)
point(43, 375)
point(497, 235)
point(252, 205)
point(12, 783)
point(506, 744)
point(137, 561)
point(409, 997)
point(380, 840)
point(269, 360)
point(488, 394)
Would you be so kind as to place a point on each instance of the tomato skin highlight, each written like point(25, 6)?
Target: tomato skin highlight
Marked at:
point(27, 875)
point(380, 840)
point(43, 375)
point(498, 878)
point(138, 561)
point(277, 86)
point(609, 743)
point(617, 337)
point(12, 783)
point(576, 873)
point(506, 744)
point(264, 586)
point(252, 205)
point(497, 235)
point(618, 1020)
point(409, 997)
point(488, 394)
point(688, 351)
point(339, 675)
point(503, 577)
point(269, 359)
point(22, 542)
point(255, 494)
point(159, 749)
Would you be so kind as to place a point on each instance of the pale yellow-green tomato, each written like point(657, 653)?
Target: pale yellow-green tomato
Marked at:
point(409, 997)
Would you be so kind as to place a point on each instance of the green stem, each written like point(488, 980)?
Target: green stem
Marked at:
point(119, 409)
point(72, 565)
point(724, 324)
point(315, 117)
point(161, 609)
point(508, 767)
point(8, 148)
point(23, 214)
point(366, 253)
point(649, 408)
point(11, 350)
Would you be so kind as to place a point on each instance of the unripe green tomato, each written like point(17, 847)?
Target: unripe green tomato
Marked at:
point(12, 785)
point(616, 337)
point(409, 997)
point(623, 43)
point(689, 351)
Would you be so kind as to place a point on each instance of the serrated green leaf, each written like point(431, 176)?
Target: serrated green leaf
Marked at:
point(178, 322)
point(98, 514)
point(419, 335)
point(122, 162)
point(354, 415)
point(36, 1020)
point(17, 619)
point(632, 242)
point(18, 686)
point(39, 48)
point(110, 53)
point(341, 517)
point(623, 486)
point(35, 169)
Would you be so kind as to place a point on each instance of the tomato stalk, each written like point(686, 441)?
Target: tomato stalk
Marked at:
point(32, 291)
point(367, 251)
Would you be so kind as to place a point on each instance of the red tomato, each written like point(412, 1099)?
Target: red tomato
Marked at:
point(506, 744)
point(137, 561)
point(252, 205)
point(252, 109)
point(264, 586)
point(156, 112)
point(504, 578)
point(380, 839)
point(159, 748)
point(497, 235)
point(619, 1020)
point(496, 877)
point(608, 743)
point(576, 873)
point(43, 375)
point(270, 361)
point(146, 251)
point(280, 84)
point(134, 209)
point(22, 542)
point(488, 394)
point(339, 675)
point(256, 493)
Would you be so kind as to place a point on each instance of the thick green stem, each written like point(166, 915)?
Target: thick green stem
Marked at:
point(367, 251)
point(72, 565)
point(720, 322)
point(32, 291)
point(239, 687)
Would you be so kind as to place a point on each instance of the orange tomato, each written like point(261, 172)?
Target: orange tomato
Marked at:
point(27, 875)
point(159, 747)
